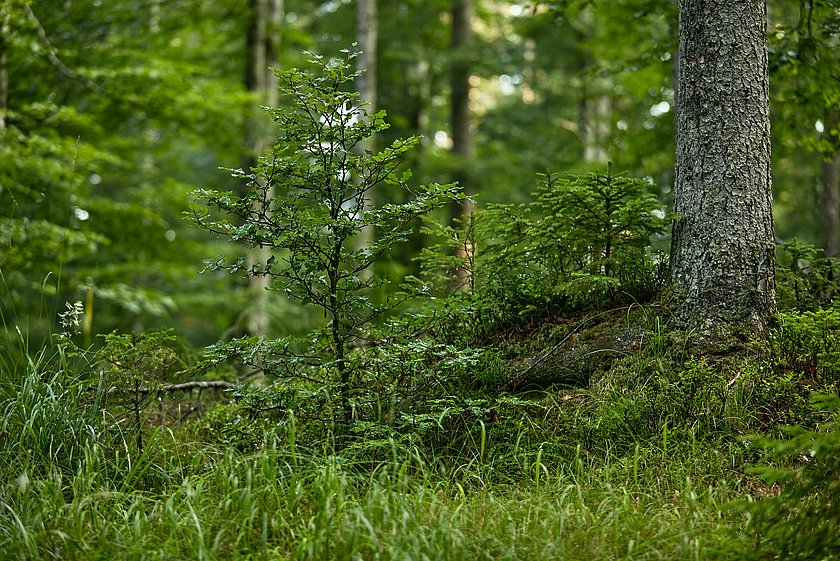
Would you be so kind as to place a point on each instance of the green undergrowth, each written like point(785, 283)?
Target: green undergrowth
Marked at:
point(652, 459)
point(259, 507)
point(522, 398)
point(284, 501)
point(591, 434)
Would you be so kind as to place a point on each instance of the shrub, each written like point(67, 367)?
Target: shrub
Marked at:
point(599, 223)
point(803, 520)
point(308, 204)
point(583, 243)
point(809, 342)
point(805, 278)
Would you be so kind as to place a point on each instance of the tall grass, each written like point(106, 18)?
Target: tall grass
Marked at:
point(48, 413)
point(265, 506)
point(72, 489)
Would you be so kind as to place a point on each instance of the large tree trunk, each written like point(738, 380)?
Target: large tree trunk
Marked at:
point(262, 46)
point(674, 32)
point(723, 247)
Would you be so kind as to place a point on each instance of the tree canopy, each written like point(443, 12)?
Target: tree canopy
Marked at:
point(113, 113)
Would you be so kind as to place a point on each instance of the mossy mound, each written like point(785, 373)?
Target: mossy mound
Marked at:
point(630, 357)
point(568, 352)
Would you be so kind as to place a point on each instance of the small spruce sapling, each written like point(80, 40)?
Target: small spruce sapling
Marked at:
point(306, 205)
point(584, 238)
point(600, 220)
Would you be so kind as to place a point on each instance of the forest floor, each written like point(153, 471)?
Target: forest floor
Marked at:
point(643, 454)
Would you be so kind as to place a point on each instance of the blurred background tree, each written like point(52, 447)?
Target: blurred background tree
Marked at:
point(111, 113)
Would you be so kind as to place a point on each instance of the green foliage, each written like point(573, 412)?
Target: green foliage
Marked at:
point(394, 384)
point(156, 103)
point(716, 397)
point(808, 342)
point(288, 502)
point(641, 397)
point(805, 279)
point(802, 47)
point(584, 243)
point(597, 223)
point(135, 366)
point(131, 371)
point(106, 126)
point(639, 464)
point(308, 204)
point(95, 164)
point(50, 414)
point(136, 359)
point(802, 519)
point(452, 260)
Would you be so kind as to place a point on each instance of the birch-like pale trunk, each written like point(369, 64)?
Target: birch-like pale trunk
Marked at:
point(263, 42)
point(4, 76)
point(367, 36)
point(460, 120)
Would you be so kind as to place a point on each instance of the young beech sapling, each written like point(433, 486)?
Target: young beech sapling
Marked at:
point(306, 204)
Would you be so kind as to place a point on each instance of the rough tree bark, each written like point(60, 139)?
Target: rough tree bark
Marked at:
point(722, 254)
point(674, 32)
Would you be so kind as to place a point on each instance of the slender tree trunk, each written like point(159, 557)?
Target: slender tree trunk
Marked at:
point(830, 191)
point(596, 128)
point(154, 16)
point(830, 206)
point(4, 77)
point(420, 75)
point(136, 407)
point(460, 116)
point(460, 120)
point(262, 46)
point(594, 105)
point(336, 331)
point(367, 35)
point(722, 253)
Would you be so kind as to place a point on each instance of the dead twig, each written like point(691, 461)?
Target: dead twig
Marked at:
point(182, 387)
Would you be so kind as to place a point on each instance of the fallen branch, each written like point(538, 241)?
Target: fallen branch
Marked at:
point(182, 387)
